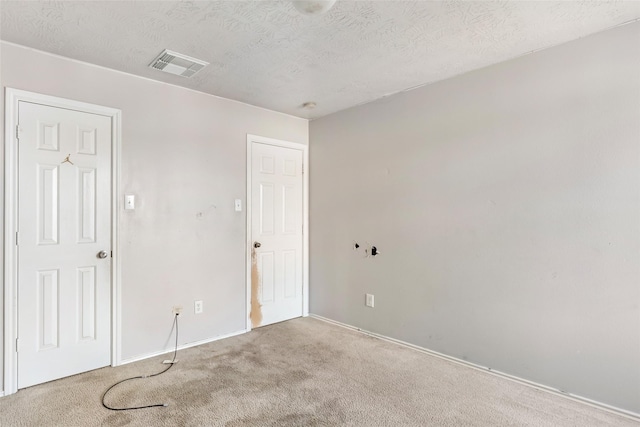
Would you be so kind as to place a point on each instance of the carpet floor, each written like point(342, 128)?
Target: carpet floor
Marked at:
point(303, 372)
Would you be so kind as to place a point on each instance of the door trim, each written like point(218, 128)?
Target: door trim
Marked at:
point(10, 262)
point(251, 139)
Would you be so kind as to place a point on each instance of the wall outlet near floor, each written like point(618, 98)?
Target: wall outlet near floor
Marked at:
point(197, 307)
point(177, 309)
point(369, 300)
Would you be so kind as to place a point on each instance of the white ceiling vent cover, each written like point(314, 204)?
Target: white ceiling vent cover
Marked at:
point(177, 63)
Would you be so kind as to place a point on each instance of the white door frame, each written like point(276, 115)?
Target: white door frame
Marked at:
point(251, 139)
point(12, 97)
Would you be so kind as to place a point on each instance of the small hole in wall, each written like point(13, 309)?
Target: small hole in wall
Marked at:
point(356, 246)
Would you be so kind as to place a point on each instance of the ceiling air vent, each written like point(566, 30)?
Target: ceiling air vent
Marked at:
point(177, 63)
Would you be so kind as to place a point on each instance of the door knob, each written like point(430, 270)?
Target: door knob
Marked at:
point(256, 245)
point(102, 254)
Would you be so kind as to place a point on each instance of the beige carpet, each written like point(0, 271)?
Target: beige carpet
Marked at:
point(299, 373)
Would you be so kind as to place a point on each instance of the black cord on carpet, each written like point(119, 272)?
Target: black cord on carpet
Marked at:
point(175, 352)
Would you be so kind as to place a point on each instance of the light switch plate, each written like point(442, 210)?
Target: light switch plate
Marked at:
point(129, 202)
point(369, 300)
point(238, 205)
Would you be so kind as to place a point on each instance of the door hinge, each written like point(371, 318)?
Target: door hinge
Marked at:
point(17, 238)
point(303, 169)
point(17, 344)
point(18, 132)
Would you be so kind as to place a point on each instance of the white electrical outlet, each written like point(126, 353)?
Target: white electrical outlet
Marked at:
point(197, 307)
point(177, 309)
point(369, 301)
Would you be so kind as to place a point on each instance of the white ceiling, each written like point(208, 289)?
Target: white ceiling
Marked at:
point(265, 53)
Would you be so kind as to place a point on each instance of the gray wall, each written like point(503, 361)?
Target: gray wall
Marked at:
point(183, 155)
point(506, 206)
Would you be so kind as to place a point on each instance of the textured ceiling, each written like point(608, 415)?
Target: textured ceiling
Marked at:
point(266, 54)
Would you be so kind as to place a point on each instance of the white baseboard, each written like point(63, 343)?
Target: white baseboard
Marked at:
point(2, 393)
point(181, 347)
point(603, 406)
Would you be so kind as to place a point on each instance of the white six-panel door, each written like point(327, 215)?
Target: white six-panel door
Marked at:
point(64, 222)
point(276, 233)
